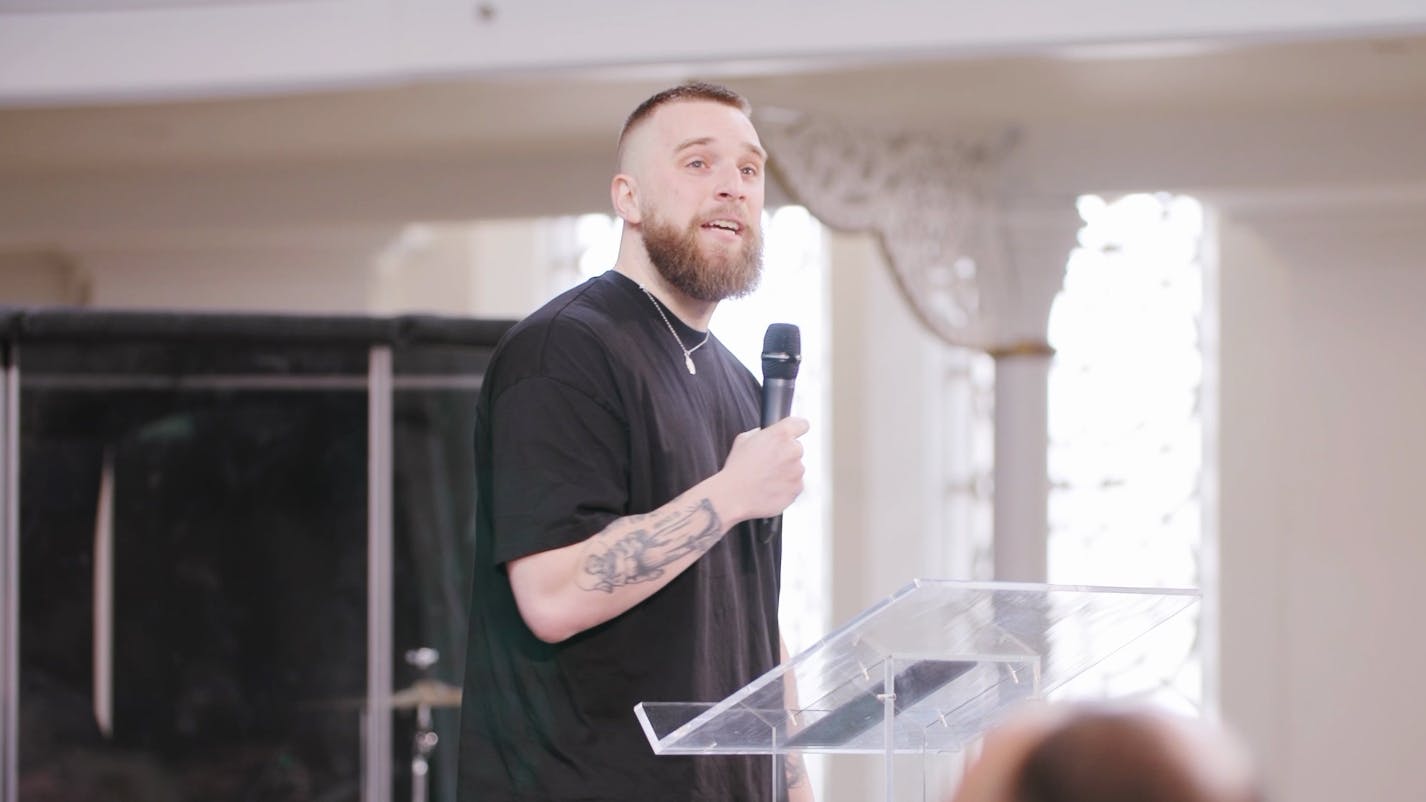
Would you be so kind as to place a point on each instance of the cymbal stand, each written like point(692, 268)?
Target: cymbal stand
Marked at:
point(424, 740)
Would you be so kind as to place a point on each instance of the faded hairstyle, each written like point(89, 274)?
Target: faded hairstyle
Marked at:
point(693, 90)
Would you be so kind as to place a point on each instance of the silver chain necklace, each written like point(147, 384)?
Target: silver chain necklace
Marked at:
point(687, 352)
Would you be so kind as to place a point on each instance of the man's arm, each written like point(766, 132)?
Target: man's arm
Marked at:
point(799, 788)
point(564, 591)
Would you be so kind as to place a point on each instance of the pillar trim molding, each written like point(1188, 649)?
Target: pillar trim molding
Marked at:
point(976, 269)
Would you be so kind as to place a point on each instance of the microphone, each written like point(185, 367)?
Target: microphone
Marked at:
point(782, 355)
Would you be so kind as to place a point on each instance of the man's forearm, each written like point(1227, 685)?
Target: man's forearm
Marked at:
point(641, 548)
point(565, 591)
point(794, 772)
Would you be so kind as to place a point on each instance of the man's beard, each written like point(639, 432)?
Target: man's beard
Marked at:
point(681, 262)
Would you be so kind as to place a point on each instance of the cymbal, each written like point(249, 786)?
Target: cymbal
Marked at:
point(429, 692)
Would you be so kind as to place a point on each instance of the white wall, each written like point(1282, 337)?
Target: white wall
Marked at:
point(889, 511)
point(300, 271)
point(492, 269)
point(1323, 454)
point(41, 277)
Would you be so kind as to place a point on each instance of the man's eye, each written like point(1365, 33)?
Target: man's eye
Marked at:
point(750, 171)
point(696, 163)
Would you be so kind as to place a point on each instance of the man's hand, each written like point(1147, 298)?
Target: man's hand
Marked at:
point(763, 472)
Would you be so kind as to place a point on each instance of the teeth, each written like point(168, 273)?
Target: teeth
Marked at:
point(724, 224)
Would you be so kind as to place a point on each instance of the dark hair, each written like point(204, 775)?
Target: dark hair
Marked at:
point(1110, 756)
point(693, 90)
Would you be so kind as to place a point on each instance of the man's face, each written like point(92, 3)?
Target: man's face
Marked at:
point(701, 199)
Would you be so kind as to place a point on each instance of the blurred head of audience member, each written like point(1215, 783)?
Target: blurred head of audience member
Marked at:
point(1108, 754)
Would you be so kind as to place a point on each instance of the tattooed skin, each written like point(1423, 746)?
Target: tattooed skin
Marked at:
point(793, 771)
point(640, 555)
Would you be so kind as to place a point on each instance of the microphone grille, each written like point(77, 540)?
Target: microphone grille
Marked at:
point(782, 351)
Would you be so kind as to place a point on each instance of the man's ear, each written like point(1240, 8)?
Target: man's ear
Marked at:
point(624, 192)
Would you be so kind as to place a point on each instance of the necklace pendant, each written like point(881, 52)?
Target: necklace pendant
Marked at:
point(688, 360)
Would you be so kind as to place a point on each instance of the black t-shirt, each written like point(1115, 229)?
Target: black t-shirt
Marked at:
point(588, 414)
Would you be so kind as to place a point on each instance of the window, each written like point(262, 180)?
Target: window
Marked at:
point(1126, 430)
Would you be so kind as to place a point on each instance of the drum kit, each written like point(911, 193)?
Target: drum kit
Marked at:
point(423, 696)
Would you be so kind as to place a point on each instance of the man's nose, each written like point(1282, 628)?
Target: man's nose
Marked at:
point(730, 184)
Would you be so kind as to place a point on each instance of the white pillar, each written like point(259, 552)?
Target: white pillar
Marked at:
point(1022, 483)
point(1038, 243)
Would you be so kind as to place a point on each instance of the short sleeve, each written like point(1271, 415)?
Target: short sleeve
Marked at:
point(559, 467)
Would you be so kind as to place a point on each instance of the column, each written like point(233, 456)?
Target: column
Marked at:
point(1039, 240)
point(975, 270)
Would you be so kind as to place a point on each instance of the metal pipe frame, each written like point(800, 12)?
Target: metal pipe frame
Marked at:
point(376, 758)
point(10, 575)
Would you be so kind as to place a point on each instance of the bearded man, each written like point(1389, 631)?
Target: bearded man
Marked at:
point(620, 470)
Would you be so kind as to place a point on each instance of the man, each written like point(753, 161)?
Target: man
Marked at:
point(1106, 753)
point(621, 474)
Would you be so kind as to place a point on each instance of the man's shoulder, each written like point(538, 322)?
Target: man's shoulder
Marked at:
point(581, 312)
point(573, 340)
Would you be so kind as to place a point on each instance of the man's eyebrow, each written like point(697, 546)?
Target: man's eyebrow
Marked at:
point(704, 140)
point(692, 143)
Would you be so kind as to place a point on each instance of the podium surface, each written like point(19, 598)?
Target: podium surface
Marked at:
point(928, 669)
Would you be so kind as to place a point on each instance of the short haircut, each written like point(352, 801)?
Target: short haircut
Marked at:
point(693, 90)
point(1115, 756)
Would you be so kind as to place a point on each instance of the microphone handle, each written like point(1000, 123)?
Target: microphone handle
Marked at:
point(777, 404)
point(777, 400)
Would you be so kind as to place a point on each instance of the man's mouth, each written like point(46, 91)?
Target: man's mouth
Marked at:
point(731, 226)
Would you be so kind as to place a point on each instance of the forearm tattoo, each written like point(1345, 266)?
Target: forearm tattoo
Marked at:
point(640, 555)
point(793, 771)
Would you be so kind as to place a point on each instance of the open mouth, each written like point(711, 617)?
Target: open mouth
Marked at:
point(731, 226)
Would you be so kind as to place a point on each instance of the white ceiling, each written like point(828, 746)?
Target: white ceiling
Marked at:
point(549, 112)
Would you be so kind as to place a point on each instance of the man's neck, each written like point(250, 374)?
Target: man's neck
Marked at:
point(691, 311)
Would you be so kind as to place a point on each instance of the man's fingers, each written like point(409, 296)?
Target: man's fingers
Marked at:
point(795, 427)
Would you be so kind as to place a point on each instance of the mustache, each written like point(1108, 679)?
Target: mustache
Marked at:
point(737, 212)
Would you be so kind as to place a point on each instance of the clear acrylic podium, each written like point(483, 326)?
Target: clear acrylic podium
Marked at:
point(923, 672)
